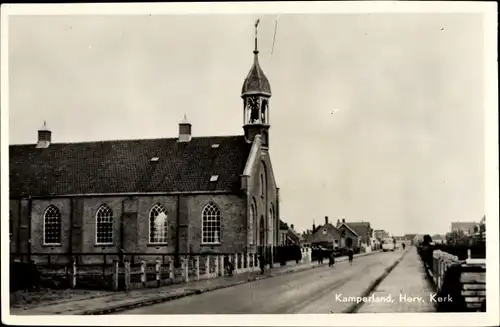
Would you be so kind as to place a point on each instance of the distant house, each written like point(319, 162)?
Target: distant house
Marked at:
point(326, 236)
point(288, 236)
point(349, 238)
point(409, 237)
point(380, 234)
point(306, 238)
point(467, 228)
point(438, 239)
point(362, 229)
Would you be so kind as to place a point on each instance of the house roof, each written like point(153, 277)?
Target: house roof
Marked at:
point(318, 235)
point(283, 225)
point(126, 166)
point(293, 236)
point(347, 226)
point(360, 227)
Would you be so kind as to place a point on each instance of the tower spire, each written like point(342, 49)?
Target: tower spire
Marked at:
point(256, 51)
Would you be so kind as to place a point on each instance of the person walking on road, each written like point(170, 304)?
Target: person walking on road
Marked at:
point(262, 264)
point(404, 245)
point(350, 254)
point(332, 259)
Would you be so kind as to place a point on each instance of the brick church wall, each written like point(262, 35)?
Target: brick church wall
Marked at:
point(78, 229)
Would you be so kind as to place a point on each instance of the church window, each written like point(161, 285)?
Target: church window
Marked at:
point(104, 225)
point(52, 226)
point(262, 186)
point(251, 220)
point(211, 224)
point(214, 178)
point(158, 224)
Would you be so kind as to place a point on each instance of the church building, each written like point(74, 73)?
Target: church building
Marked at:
point(182, 194)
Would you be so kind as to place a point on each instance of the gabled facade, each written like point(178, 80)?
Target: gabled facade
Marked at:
point(326, 236)
point(349, 238)
point(172, 195)
point(363, 230)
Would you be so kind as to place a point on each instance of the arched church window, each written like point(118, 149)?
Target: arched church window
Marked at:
point(251, 220)
point(262, 186)
point(158, 224)
point(211, 224)
point(52, 226)
point(263, 116)
point(104, 225)
point(253, 106)
point(262, 231)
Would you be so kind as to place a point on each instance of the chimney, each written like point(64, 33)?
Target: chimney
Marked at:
point(326, 220)
point(44, 136)
point(338, 222)
point(314, 227)
point(291, 226)
point(343, 221)
point(184, 130)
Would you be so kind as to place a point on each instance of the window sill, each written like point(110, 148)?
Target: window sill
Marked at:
point(157, 244)
point(210, 244)
point(104, 245)
point(48, 245)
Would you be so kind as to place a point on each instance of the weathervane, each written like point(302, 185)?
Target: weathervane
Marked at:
point(256, 25)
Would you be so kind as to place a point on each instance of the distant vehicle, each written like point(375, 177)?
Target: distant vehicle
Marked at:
point(388, 244)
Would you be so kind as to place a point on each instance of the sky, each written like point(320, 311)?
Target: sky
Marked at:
point(374, 117)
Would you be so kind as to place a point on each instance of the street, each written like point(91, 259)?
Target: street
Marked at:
point(312, 291)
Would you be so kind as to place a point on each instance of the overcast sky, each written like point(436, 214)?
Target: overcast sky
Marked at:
point(374, 117)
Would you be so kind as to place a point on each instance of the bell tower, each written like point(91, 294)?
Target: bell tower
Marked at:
point(256, 92)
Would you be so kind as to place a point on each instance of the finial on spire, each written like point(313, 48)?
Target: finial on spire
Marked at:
point(256, 25)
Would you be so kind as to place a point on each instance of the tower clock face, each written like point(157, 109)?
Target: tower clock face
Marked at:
point(253, 103)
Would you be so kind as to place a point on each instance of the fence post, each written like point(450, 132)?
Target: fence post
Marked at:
point(185, 270)
point(469, 255)
point(197, 258)
point(236, 270)
point(217, 272)
point(171, 269)
point(73, 273)
point(127, 276)
point(157, 270)
point(115, 275)
point(207, 266)
point(143, 273)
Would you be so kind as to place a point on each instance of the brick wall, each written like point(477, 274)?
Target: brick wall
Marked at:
point(78, 230)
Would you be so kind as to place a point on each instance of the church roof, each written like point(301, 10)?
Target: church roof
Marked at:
point(256, 81)
point(128, 166)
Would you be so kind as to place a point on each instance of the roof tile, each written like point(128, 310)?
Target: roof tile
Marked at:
point(125, 166)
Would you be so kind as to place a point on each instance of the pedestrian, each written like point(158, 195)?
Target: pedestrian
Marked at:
point(228, 265)
point(350, 254)
point(261, 264)
point(404, 245)
point(332, 259)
